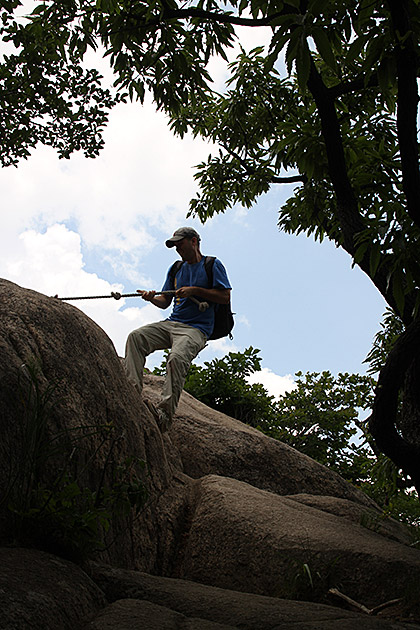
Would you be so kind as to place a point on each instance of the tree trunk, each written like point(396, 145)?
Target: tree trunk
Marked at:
point(398, 435)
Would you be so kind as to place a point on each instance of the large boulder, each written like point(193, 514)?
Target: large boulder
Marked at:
point(227, 506)
point(43, 592)
point(209, 442)
point(197, 605)
point(65, 403)
point(247, 539)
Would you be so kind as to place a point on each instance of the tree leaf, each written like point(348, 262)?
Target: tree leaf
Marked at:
point(323, 45)
point(303, 63)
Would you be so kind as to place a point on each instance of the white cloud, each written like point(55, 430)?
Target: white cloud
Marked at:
point(143, 177)
point(43, 260)
point(242, 319)
point(275, 384)
point(119, 203)
point(218, 348)
point(52, 263)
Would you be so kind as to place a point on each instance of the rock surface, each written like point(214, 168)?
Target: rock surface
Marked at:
point(90, 392)
point(228, 507)
point(209, 442)
point(358, 514)
point(43, 592)
point(132, 614)
point(264, 540)
point(225, 607)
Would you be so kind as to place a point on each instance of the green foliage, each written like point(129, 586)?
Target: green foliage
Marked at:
point(45, 95)
point(391, 328)
point(386, 484)
point(47, 503)
point(222, 384)
point(320, 418)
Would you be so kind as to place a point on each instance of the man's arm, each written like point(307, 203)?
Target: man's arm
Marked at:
point(162, 301)
point(219, 296)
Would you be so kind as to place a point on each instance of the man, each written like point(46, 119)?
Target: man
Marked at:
point(188, 327)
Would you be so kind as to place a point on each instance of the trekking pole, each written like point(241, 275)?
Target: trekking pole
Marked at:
point(202, 306)
point(113, 294)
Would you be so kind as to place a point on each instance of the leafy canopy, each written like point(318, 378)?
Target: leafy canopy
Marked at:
point(340, 121)
point(46, 95)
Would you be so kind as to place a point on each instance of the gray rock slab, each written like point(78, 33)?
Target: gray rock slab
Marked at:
point(247, 539)
point(361, 515)
point(42, 592)
point(209, 442)
point(229, 609)
point(133, 614)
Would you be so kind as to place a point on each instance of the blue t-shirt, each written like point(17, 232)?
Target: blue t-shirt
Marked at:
point(185, 310)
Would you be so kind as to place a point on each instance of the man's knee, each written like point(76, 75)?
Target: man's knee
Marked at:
point(189, 345)
point(136, 339)
point(178, 363)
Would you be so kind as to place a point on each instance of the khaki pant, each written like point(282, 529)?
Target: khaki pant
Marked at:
point(185, 343)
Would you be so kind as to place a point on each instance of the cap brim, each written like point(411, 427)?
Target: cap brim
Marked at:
point(171, 242)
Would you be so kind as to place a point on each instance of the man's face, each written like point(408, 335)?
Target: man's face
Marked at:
point(185, 248)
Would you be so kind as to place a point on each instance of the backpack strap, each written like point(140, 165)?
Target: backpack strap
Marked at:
point(208, 266)
point(174, 270)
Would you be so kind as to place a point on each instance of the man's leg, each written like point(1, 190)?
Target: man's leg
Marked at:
point(186, 344)
point(140, 343)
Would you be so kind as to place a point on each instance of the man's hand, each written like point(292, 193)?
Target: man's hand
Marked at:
point(219, 296)
point(162, 301)
point(147, 295)
point(185, 292)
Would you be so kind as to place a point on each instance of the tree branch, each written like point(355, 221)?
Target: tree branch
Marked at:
point(350, 219)
point(408, 98)
point(226, 18)
point(382, 422)
point(290, 180)
point(251, 171)
point(357, 85)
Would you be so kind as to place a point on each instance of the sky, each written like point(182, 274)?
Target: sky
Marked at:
point(91, 226)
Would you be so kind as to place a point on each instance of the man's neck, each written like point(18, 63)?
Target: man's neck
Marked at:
point(195, 258)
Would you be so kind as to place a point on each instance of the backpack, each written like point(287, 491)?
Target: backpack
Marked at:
point(223, 316)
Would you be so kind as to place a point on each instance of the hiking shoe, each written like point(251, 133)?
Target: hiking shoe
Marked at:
point(161, 417)
point(164, 421)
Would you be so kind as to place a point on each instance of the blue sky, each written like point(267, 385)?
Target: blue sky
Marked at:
point(88, 227)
